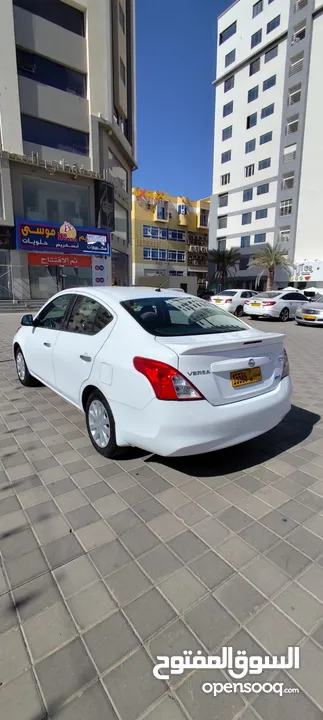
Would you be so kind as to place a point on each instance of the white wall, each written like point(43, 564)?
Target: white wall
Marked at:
point(309, 220)
point(10, 126)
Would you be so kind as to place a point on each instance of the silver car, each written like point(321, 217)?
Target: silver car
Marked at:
point(311, 313)
point(279, 304)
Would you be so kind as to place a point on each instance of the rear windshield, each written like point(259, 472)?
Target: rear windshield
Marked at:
point(175, 317)
point(268, 294)
point(231, 293)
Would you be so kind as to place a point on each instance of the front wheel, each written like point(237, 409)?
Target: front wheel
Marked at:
point(239, 311)
point(101, 426)
point(23, 373)
point(284, 315)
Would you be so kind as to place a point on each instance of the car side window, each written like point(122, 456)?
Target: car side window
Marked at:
point(289, 296)
point(53, 314)
point(88, 317)
point(245, 294)
point(298, 296)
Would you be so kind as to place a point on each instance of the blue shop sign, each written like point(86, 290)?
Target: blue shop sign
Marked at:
point(64, 238)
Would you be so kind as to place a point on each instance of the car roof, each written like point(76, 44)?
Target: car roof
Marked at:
point(234, 290)
point(119, 294)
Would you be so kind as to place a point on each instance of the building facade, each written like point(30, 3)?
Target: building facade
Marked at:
point(267, 142)
point(169, 239)
point(68, 144)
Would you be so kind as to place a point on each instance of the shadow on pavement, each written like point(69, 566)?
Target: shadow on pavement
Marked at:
point(294, 429)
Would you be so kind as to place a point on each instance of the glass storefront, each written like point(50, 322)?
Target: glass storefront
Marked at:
point(5, 276)
point(54, 202)
point(120, 267)
point(48, 280)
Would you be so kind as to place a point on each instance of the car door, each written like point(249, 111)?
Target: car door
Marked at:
point(299, 301)
point(87, 328)
point(42, 340)
point(287, 300)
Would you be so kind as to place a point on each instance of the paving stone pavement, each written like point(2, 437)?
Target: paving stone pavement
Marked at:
point(105, 565)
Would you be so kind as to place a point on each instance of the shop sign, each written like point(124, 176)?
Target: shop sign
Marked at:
point(99, 270)
point(149, 195)
point(65, 238)
point(7, 238)
point(57, 259)
point(308, 270)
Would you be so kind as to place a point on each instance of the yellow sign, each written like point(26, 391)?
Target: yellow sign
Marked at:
point(148, 194)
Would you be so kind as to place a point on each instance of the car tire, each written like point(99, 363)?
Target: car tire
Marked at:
point(284, 315)
point(23, 373)
point(101, 426)
point(239, 311)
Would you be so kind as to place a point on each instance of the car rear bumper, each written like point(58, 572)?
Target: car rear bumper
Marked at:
point(262, 312)
point(177, 428)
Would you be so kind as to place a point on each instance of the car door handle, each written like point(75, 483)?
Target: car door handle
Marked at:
point(48, 344)
point(87, 358)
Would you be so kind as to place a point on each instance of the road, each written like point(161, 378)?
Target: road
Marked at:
point(106, 565)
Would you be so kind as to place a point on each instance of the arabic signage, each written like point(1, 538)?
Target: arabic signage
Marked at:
point(148, 195)
point(65, 238)
point(308, 270)
point(56, 259)
point(7, 238)
point(99, 270)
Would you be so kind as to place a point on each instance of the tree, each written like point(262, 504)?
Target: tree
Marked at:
point(225, 261)
point(270, 258)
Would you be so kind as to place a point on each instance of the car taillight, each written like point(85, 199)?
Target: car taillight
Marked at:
point(285, 366)
point(229, 300)
point(269, 303)
point(167, 382)
point(246, 302)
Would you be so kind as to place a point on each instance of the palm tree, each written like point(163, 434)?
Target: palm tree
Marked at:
point(270, 258)
point(225, 261)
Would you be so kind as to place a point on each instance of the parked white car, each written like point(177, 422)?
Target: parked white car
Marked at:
point(232, 300)
point(166, 372)
point(279, 304)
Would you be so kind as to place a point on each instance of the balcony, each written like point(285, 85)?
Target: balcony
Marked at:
point(294, 98)
point(298, 35)
point(288, 182)
point(289, 156)
point(291, 127)
point(296, 64)
point(299, 5)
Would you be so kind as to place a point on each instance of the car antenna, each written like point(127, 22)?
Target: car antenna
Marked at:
point(160, 286)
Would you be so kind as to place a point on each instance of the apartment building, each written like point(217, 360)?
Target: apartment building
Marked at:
point(169, 240)
point(268, 152)
point(68, 144)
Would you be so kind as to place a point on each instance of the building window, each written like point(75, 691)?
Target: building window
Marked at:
point(155, 232)
point(227, 33)
point(54, 201)
point(222, 243)
point(261, 214)
point(177, 235)
point(289, 153)
point(230, 58)
point(42, 132)
point(268, 110)
point(270, 82)
point(300, 32)
point(254, 67)
point(249, 170)
point(56, 12)
point(288, 181)
point(251, 121)
point(271, 54)
point(246, 218)
point(250, 146)
point(245, 241)
point(247, 195)
point(260, 238)
point(161, 212)
point(257, 8)
point(154, 254)
point(222, 221)
point(41, 70)
point(182, 209)
point(116, 170)
point(264, 164)
point(225, 179)
point(284, 234)
point(294, 94)
point(263, 189)
point(122, 71)
point(244, 265)
point(227, 133)
point(229, 83)
point(267, 137)
point(204, 218)
point(273, 24)
point(286, 207)
point(228, 108)
point(253, 94)
point(122, 19)
point(176, 256)
point(226, 156)
point(292, 125)
point(256, 38)
point(223, 199)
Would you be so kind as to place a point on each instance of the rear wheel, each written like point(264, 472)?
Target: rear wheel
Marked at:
point(239, 311)
point(101, 426)
point(284, 315)
point(22, 370)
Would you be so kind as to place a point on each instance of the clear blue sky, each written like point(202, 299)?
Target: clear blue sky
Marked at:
point(176, 55)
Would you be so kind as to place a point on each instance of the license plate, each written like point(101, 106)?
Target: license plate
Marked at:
point(245, 377)
point(309, 317)
point(255, 304)
point(218, 301)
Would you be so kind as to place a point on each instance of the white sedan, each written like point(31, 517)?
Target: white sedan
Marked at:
point(232, 300)
point(156, 369)
point(279, 304)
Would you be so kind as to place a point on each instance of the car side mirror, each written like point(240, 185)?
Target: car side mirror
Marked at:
point(27, 320)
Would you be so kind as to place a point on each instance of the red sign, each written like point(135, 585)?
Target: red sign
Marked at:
point(57, 259)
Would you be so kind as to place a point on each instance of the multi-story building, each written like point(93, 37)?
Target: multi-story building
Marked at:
point(268, 153)
point(169, 239)
point(68, 139)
